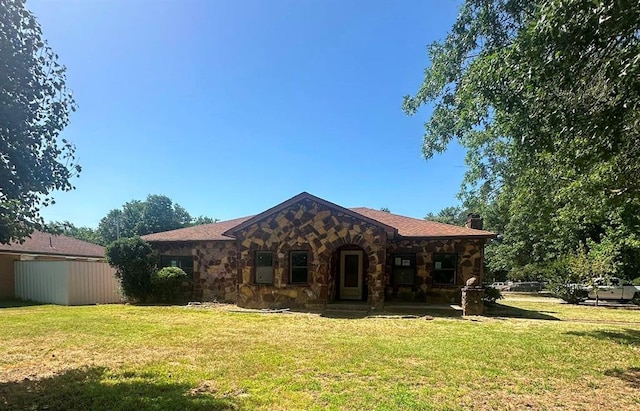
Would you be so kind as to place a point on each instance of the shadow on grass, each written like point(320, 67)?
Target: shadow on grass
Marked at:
point(499, 310)
point(95, 389)
point(631, 375)
point(18, 303)
point(626, 337)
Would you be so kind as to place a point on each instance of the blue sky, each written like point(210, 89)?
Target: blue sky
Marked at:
point(231, 107)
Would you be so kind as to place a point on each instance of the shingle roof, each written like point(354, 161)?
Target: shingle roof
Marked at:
point(406, 226)
point(202, 232)
point(414, 227)
point(45, 243)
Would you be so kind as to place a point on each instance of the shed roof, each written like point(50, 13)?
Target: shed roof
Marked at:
point(45, 243)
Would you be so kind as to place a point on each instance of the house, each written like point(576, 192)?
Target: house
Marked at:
point(56, 269)
point(308, 252)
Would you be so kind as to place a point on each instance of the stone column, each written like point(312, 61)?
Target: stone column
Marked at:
point(472, 300)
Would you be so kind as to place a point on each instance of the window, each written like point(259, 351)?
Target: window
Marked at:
point(444, 269)
point(404, 269)
point(184, 262)
point(299, 267)
point(264, 267)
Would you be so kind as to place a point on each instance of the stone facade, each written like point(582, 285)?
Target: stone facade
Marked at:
point(469, 264)
point(214, 268)
point(225, 270)
point(321, 231)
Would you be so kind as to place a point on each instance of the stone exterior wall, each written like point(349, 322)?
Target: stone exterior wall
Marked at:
point(321, 231)
point(469, 264)
point(214, 268)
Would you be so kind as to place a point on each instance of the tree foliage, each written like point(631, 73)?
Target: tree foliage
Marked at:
point(545, 96)
point(134, 264)
point(135, 218)
point(156, 214)
point(70, 230)
point(34, 108)
point(454, 215)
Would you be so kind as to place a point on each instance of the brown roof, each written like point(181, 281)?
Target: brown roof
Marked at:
point(415, 227)
point(406, 226)
point(202, 232)
point(45, 243)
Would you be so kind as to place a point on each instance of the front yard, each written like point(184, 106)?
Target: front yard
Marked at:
point(529, 354)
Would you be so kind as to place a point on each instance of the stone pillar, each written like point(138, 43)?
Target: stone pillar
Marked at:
point(472, 300)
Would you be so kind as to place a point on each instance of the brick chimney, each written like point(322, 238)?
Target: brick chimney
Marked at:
point(474, 221)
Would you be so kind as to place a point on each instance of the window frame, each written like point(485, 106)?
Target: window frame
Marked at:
point(256, 266)
point(403, 256)
point(189, 270)
point(453, 270)
point(292, 267)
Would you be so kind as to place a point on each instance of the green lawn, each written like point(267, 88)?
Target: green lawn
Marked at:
point(526, 354)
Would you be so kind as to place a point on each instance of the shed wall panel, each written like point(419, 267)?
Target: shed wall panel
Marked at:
point(92, 283)
point(42, 281)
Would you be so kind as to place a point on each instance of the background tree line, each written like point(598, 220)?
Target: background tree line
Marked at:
point(135, 218)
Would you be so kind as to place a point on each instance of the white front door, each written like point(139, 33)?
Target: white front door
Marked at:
point(351, 275)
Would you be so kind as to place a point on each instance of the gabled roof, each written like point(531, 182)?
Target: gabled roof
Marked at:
point(301, 197)
point(415, 227)
point(49, 244)
point(403, 226)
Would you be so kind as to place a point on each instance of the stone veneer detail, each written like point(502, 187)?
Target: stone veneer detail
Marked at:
point(214, 268)
point(310, 226)
point(470, 256)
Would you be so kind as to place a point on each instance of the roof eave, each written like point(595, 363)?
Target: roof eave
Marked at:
point(198, 240)
point(37, 253)
point(448, 237)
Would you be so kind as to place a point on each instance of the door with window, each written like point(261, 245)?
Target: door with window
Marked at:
point(351, 280)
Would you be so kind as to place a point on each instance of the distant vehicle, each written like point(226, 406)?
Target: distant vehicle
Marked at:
point(502, 286)
point(613, 288)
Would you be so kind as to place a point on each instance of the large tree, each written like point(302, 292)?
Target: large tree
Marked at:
point(157, 213)
point(34, 108)
point(545, 96)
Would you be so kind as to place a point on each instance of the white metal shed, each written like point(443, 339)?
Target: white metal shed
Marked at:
point(66, 282)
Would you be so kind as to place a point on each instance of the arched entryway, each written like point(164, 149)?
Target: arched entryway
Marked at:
point(350, 267)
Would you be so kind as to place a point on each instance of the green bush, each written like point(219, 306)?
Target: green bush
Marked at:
point(564, 280)
point(131, 257)
point(636, 281)
point(571, 293)
point(491, 295)
point(166, 283)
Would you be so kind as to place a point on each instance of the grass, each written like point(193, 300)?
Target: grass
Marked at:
point(525, 354)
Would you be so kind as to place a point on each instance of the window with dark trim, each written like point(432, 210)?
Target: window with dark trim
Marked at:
point(404, 269)
point(299, 267)
point(264, 267)
point(444, 268)
point(183, 261)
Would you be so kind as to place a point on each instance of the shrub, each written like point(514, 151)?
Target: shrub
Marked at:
point(166, 283)
point(571, 293)
point(636, 281)
point(491, 295)
point(565, 281)
point(131, 257)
